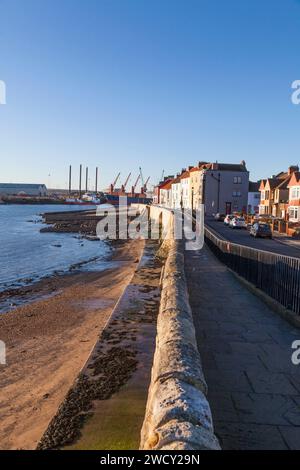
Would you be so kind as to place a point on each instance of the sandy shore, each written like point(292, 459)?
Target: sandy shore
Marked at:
point(48, 342)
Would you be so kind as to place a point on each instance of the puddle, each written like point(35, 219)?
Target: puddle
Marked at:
point(95, 304)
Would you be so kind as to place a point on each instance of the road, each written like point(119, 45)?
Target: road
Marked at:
point(243, 237)
point(253, 386)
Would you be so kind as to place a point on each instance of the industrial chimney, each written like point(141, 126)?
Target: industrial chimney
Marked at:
point(80, 176)
point(86, 179)
point(70, 180)
point(96, 182)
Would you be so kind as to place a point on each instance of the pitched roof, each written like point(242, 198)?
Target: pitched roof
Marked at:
point(285, 183)
point(205, 166)
point(164, 183)
point(176, 180)
point(228, 167)
point(282, 175)
point(195, 168)
point(185, 174)
point(240, 167)
point(167, 185)
point(273, 182)
point(202, 164)
point(254, 186)
point(295, 179)
point(262, 185)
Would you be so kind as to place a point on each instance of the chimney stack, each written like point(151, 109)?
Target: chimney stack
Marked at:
point(292, 169)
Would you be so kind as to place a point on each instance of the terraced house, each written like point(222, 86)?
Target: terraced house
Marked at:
point(223, 187)
point(274, 192)
point(185, 189)
point(294, 198)
point(195, 183)
point(220, 187)
point(176, 193)
point(165, 198)
point(159, 187)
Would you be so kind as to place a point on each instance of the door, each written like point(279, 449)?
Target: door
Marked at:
point(228, 208)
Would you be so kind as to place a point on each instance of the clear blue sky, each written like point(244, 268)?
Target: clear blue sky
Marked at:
point(156, 83)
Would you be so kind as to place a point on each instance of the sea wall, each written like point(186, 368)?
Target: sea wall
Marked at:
point(178, 415)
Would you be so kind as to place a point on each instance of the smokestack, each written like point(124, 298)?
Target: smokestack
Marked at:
point(96, 182)
point(70, 179)
point(86, 179)
point(80, 176)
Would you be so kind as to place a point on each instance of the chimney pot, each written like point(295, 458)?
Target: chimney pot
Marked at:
point(292, 169)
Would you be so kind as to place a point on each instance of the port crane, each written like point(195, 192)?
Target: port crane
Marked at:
point(135, 184)
point(126, 182)
point(112, 186)
point(142, 177)
point(144, 183)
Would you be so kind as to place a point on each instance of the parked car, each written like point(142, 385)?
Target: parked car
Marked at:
point(261, 230)
point(228, 219)
point(238, 222)
point(220, 217)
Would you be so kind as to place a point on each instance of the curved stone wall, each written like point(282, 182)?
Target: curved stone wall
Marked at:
point(178, 415)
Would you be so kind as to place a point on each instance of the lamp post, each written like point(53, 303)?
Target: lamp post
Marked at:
point(192, 199)
point(218, 179)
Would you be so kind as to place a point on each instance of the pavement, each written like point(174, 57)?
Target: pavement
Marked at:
point(254, 388)
point(280, 244)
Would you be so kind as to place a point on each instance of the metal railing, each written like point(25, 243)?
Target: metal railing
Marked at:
point(276, 275)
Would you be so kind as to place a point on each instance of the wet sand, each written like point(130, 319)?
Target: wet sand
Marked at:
point(105, 408)
point(48, 342)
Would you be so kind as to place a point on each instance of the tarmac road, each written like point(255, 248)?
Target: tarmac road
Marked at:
point(242, 237)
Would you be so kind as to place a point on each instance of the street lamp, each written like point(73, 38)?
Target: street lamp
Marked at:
point(192, 198)
point(218, 179)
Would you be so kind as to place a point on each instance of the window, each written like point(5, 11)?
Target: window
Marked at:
point(263, 195)
point(236, 194)
point(294, 213)
point(237, 179)
point(295, 193)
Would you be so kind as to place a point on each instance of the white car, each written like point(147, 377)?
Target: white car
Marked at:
point(238, 222)
point(228, 219)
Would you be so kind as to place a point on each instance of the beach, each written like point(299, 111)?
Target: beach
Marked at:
point(49, 339)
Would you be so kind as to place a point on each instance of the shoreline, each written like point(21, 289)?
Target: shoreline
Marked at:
point(47, 285)
point(49, 340)
point(24, 285)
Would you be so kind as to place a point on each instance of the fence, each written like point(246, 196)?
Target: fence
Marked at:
point(276, 275)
